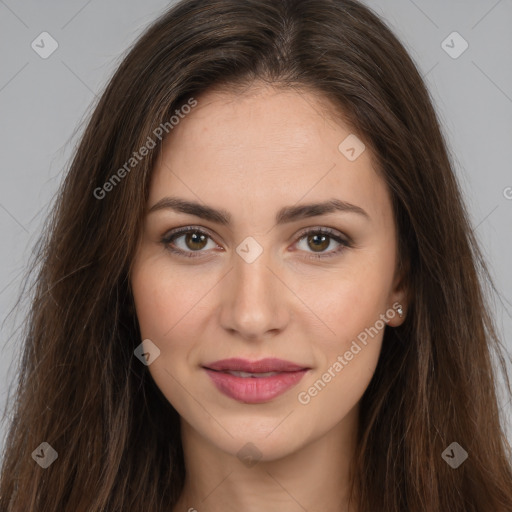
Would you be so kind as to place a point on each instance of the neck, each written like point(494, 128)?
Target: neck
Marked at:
point(314, 477)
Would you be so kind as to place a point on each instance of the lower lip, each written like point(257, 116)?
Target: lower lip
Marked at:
point(254, 390)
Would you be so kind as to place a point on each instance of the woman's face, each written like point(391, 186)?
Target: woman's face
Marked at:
point(263, 273)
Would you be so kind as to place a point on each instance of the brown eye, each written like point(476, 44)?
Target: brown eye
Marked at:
point(318, 242)
point(195, 241)
point(188, 242)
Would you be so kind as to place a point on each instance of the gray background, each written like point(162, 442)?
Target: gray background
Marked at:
point(44, 101)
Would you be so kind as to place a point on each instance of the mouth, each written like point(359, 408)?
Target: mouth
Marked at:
point(245, 375)
point(254, 382)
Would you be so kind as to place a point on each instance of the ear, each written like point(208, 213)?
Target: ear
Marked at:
point(398, 300)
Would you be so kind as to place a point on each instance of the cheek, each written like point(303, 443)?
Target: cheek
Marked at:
point(351, 310)
point(165, 301)
point(347, 303)
point(348, 358)
point(335, 390)
point(166, 318)
point(163, 319)
point(350, 349)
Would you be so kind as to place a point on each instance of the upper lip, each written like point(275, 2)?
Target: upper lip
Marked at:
point(269, 364)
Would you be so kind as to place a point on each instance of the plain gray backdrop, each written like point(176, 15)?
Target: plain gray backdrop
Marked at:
point(44, 100)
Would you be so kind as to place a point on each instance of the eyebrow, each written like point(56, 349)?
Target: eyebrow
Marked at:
point(285, 215)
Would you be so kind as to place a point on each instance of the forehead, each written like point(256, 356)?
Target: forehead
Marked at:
point(282, 117)
point(264, 145)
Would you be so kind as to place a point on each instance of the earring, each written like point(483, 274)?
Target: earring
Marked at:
point(400, 311)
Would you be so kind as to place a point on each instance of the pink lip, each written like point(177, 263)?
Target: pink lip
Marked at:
point(254, 390)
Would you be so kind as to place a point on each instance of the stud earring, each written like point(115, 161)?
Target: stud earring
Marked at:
point(400, 311)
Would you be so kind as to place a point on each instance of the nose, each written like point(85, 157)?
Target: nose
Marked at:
point(255, 300)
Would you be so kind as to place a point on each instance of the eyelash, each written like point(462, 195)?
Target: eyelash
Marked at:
point(173, 235)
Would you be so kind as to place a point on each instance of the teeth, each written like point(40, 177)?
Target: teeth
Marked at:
point(255, 375)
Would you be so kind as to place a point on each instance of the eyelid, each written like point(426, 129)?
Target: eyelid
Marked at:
point(332, 232)
point(189, 228)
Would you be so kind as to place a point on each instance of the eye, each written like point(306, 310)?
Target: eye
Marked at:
point(319, 239)
point(194, 240)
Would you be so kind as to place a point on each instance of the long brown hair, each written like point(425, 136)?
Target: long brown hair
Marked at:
point(82, 390)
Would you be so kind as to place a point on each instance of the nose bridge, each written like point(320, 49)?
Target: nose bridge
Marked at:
point(255, 302)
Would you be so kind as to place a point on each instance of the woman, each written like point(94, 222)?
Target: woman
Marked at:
point(259, 287)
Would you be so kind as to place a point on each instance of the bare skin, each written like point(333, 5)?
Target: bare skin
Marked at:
point(299, 300)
